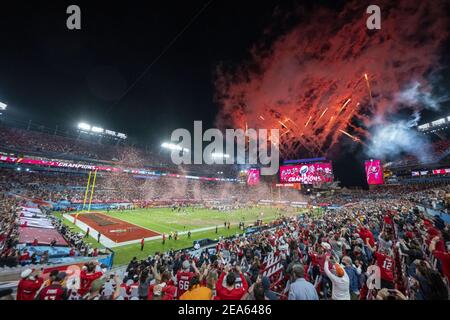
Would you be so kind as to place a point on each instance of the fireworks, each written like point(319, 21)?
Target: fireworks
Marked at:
point(344, 105)
point(301, 73)
point(323, 113)
point(308, 121)
point(349, 135)
point(284, 126)
point(369, 88)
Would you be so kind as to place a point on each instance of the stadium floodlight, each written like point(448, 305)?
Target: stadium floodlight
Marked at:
point(111, 133)
point(121, 135)
point(2, 106)
point(173, 147)
point(84, 126)
point(97, 130)
point(219, 155)
point(438, 122)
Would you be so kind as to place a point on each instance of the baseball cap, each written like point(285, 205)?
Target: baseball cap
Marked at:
point(186, 264)
point(26, 273)
point(339, 270)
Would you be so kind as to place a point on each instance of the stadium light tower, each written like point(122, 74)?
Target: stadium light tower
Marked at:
point(174, 147)
point(97, 130)
point(84, 126)
point(2, 107)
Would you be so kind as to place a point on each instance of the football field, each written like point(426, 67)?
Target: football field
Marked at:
point(164, 220)
point(200, 222)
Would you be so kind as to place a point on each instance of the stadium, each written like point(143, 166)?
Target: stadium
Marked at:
point(95, 206)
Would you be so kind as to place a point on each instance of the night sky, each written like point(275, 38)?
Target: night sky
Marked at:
point(55, 76)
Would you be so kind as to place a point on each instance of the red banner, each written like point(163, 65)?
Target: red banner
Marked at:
point(441, 171)
point(374, 172)
point(61, 164)
point(253, 176)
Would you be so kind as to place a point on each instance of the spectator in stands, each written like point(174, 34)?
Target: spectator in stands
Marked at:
point(429, 283)
point(44, 258)
point(55, 290)
point(226, 285)
point(29, 284)
point(89, 273)
point(390, 294)
point(184, 276)
point(300, 289)
point(353, 275)
point(197, 291)
point(96, 291)
point(144, 281)
point(269, 294)
point(24, 257)
point(163, 289)
point(340, 281)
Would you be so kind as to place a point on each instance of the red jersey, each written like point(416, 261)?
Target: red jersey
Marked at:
point(27, 288)
point(53, 292)
point(366, 233)
point(319, 259)
point(386, 265)
point(86, 280)
point(24, 256)
point(183, 281)
point(233, 294)
point(444, 258)
point(387, 220)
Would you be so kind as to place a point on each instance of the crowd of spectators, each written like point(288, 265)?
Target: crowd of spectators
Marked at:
point(373, 249)
point(124, 187)
point(89, 150)
point(9, 230)
point(30, 141)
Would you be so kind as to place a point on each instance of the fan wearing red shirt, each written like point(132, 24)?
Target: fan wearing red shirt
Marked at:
point(228, 290)
point(29, 285)
point(318, 258)
point(54, 291)
point(386, 265)
point(184, 277)
point(444, 257)
point(87, 276)
point(25, 256)
point(365, 233)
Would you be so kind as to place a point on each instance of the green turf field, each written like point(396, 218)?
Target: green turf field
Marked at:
point(166, 220)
